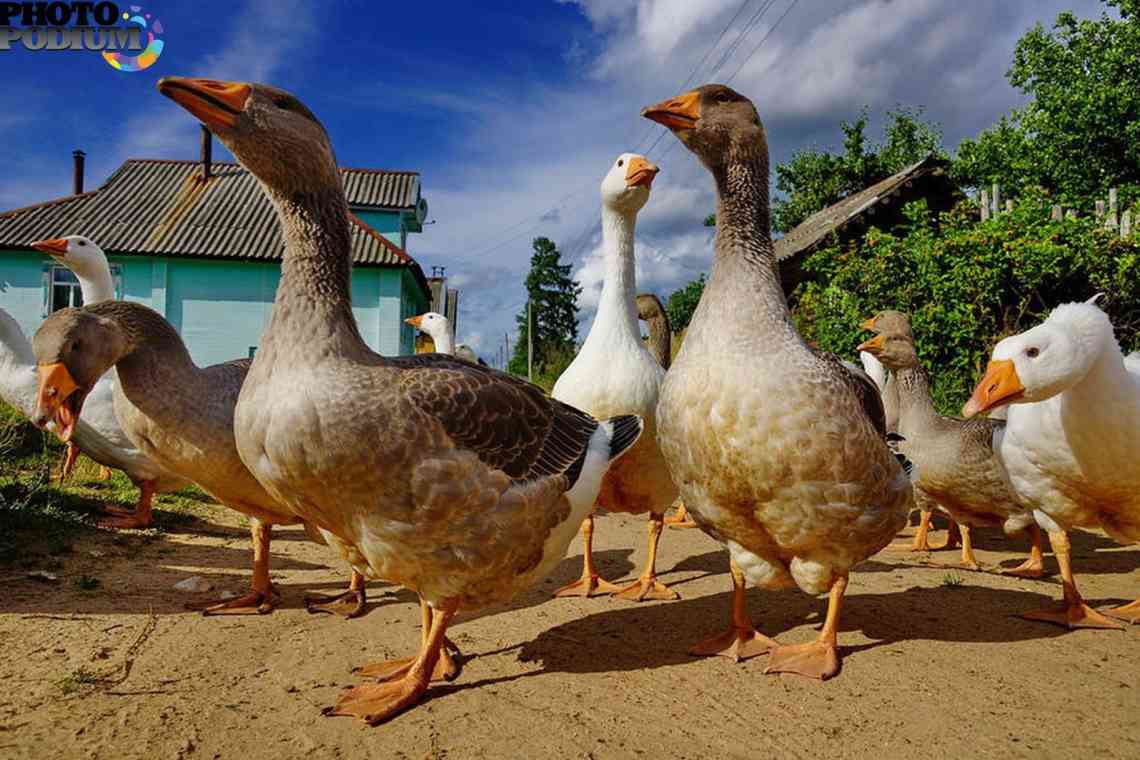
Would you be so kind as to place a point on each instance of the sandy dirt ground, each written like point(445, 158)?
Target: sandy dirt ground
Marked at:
point(935, 663)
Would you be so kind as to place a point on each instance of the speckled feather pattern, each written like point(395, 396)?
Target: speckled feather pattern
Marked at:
point(769, 442)
point(955, 460)
point(180, 415)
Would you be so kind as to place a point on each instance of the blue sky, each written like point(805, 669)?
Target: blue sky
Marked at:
point(512, 111)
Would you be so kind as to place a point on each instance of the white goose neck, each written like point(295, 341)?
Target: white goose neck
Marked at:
point(617, 306)
point(95, 282)
point(444, 343)
point(1106, 392)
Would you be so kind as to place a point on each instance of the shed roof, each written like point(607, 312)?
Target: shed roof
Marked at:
point(815, 229)
point(159, 207)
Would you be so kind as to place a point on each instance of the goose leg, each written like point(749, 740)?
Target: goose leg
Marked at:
point(680, 518)
point(589, 584)
point(1076, 614)
point(445, 669)
point(819, 659)
point(350, 604)
point(647, 586)
point(262, 597)
point(1034, 567)
point(140, 517)
point(953, 533)
point(741, 640)
point(68, 464)
point(376, 702)
point(921, 542)
point(969, 561)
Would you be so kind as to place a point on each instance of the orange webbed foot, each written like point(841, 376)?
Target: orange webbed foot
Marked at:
point(1129, 613)
point(446, 667)
point(736, 644)
point(253, 603)
point(350, 604)
point(1078, 615)
point(1027, 569)
point(815, 660)
point(588, 586)
point(647, 587)
point(375, 703)
point(125, 520)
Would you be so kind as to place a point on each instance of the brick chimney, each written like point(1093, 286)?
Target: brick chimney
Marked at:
point(207, 151)
point(77, 157)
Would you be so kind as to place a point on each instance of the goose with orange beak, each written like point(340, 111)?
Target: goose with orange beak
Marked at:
point(1071, 440)
point(614, 373)
point(780, 451)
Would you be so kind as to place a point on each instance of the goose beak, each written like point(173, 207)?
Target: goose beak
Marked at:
point(868, 324)
point(415, 321)
point(679, 113)
point(55, 247)
point(215, 103)
point(60, 400)
point(1000, 385)
point(640, 173)
point(871, 345)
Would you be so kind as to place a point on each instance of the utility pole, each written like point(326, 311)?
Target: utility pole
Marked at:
point(529, 341)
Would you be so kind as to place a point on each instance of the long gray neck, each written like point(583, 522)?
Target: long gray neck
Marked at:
point(152, 348)
point(743, 301)
point(313, 307)
point(916, 405)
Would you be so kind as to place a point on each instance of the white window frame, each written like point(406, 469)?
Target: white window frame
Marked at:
point(49, 283)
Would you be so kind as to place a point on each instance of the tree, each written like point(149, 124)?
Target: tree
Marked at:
point(554, 298)
point(814, 179)
point(1079, 134)
point(683, 302)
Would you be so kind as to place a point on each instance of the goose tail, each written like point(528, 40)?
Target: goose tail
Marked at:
point(623, 432)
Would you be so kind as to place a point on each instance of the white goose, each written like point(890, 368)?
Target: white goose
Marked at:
point(1072, 438)
point(98, 434)
point(614, 373)
point(438, 328)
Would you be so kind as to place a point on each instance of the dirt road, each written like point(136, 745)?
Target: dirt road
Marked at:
point(105, 662)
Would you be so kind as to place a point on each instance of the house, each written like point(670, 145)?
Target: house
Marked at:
point(879, 205)
point(199, 242)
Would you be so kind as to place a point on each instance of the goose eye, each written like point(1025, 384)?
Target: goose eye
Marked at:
point(83, 242)
point(1032, 352)
point(75, 344)
point(282, 103)
point(621, 162)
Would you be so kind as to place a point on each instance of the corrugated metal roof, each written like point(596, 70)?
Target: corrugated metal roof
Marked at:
point(381, 188)
point(156, 207)
point(833, 218)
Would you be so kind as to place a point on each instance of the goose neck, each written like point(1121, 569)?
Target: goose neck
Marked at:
point(617, 305)
point(916, 405)
point(96, 284)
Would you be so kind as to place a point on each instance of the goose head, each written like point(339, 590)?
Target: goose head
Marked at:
point(267, 129)
point(73, 349)
point(714, 121)
point(649, 307)
point(626, 185)
point(433, 323)
point(1045, 360)
point(78, 253)
point(888, 321)
point(894, 350)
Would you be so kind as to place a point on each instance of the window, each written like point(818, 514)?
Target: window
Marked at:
point(252, 351)
point(62, 287)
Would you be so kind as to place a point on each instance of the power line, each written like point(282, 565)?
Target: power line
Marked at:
point(762, 41)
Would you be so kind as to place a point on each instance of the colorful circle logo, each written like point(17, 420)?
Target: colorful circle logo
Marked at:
point(152, 28)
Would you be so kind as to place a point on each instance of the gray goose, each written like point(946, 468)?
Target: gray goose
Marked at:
point(779, 450)
point(179, 415)
point(472, 483)
point(957, 468)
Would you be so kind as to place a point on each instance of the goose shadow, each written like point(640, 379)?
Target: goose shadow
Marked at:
point(645, 637)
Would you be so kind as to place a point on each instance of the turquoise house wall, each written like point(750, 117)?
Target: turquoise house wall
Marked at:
point(221, 307)
point(388, 223)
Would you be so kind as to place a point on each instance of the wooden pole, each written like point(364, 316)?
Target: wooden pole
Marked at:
point(1126, 224)
point(1112, 218)
point(1057, 213)
point(1099, 210)
point(529, 341)
point(984, 203)
point(995, 199)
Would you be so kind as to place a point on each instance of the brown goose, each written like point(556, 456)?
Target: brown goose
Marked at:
point(178, 414)
point(473, 483)
point(956, 467)
point(779, 450)
point(651, 311)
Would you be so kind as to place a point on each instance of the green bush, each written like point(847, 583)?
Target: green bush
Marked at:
point(966, 284)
